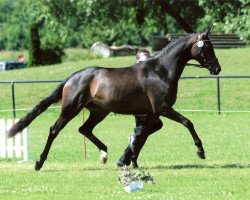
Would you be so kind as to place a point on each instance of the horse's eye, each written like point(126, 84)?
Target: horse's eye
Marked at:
point(206, 44)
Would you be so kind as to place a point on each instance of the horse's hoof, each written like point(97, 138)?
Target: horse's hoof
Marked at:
point(201, 154)
point(38, 166)
point(120, 165)
point(103, 156)
point(135, 165)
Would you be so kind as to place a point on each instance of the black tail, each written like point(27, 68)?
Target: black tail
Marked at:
point(54, 97)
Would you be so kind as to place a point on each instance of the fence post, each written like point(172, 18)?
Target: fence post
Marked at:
point(2, 139)
point(15, 147)
point(10, 141)
point(218, 94)
point(25, 145)
point(13, 99)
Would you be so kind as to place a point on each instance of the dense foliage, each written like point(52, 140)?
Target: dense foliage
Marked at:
point(227, 16)
point(79, 23)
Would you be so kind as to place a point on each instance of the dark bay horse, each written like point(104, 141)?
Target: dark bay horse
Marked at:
point(148, 87)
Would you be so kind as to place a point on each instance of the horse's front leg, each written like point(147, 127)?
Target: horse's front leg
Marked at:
point(174, 115)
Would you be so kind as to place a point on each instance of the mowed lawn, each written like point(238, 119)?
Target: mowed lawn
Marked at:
point(169, 155)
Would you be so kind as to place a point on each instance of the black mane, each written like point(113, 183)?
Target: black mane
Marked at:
point(173, 44)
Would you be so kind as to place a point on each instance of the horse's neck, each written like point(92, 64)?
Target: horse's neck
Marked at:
point(175, 60)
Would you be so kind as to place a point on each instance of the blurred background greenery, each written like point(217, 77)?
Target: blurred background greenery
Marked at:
point(80, 23)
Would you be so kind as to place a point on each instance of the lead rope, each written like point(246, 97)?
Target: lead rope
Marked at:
point(84, 138)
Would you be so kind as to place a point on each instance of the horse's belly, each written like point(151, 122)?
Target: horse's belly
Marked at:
point(125, 106)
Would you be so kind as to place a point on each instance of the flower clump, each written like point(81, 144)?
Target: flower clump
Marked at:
point(127, 177)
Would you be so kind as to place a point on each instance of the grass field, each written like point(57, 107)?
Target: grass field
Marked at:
point(169, 155)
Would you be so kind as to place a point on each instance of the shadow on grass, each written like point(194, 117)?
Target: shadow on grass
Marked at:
point(201, 166)
point(160, 167)
point(68, 169)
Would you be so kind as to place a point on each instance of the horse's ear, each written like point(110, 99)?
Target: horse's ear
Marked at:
point(208, 31)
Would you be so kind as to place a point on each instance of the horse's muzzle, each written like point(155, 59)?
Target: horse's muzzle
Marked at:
point(215, 70)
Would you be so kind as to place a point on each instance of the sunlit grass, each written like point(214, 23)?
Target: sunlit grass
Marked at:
point(169, 155)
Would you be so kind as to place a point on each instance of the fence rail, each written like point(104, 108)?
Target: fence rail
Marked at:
point(12, 82)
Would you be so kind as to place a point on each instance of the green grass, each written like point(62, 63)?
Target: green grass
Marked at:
point(169, 155)
point(12, 55)
point(71, 55)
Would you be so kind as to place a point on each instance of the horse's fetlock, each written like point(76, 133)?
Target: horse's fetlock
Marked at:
point(103, 156)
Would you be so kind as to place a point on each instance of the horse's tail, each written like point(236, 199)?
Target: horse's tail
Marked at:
point(54, 97)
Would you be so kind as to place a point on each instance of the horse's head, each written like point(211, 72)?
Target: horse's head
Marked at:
point(203, 52)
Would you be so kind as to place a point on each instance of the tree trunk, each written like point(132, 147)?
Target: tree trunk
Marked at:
point(34, 45)
point(141, 13)
point(166, 7)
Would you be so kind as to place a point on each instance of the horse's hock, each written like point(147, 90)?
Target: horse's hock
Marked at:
point(106, 51)
point(219, 40)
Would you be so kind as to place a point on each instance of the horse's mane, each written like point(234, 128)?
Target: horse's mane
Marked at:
point(173, 44)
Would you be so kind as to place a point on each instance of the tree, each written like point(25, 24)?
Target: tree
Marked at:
point(111, 19)
point(80, 23)
point(14, 23)
point(165, 6)
point(227, 16)
point(34, 45)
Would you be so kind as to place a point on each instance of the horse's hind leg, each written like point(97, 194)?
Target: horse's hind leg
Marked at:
point(96, 116)
point(54, 131)
point(61, 122)
point(70, 108)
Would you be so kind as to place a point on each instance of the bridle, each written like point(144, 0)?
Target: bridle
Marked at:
point(201, 56)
